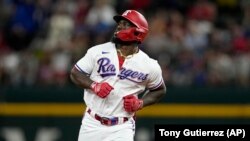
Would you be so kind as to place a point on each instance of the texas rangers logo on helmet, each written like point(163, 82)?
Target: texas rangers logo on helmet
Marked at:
point(126, 13)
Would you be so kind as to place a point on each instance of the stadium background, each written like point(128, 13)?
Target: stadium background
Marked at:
point(203, 47)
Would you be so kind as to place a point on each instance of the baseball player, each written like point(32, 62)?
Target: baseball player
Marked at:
point(113, 74)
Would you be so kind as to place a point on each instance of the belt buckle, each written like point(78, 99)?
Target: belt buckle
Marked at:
point(103, 119)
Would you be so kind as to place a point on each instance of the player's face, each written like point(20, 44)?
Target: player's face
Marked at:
point(123, 24)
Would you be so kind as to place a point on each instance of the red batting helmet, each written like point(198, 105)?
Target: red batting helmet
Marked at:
point(137, 33)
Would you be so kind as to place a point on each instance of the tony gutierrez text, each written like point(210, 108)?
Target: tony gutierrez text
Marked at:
point(188, 132)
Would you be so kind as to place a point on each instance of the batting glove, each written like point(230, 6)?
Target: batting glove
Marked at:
point(101, 89)
point(132, 103)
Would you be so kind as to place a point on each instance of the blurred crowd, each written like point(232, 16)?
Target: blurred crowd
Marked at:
point(197, 42)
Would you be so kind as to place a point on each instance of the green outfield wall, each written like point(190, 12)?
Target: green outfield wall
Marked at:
point(174, 95)
point(55, 113)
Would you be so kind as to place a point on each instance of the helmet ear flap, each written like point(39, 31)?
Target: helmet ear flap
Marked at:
point(137, 32)
point(133, 34)
point(140, 30)
point(129, 35)
point(140, 34)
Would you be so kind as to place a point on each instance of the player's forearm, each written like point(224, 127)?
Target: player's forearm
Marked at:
point(152, 97)
point(80, 79)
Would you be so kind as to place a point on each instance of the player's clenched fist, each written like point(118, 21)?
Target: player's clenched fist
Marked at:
point(101, 89)
point(132, 103)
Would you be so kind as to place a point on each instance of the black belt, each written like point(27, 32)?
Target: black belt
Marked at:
point(106, 120)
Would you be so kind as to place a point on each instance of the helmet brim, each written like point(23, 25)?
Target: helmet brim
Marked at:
point(118, 18)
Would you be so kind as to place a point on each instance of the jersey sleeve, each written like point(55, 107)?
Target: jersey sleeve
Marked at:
point(86, 63)
point(155, 77)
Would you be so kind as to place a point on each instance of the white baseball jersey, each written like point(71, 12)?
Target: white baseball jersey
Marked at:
point(137, 73)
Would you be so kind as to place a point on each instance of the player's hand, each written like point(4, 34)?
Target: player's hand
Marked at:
point(132, 103)
point(101, 89)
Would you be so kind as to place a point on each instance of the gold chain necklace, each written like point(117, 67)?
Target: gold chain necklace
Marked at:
point(124, 56)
